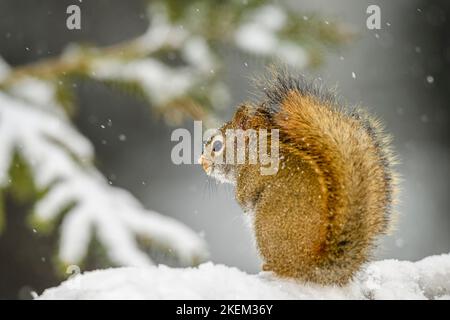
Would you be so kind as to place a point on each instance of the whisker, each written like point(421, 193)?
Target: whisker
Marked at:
point(205, 188)
point(210, 184)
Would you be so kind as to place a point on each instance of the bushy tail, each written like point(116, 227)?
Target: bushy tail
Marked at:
point(353, 160)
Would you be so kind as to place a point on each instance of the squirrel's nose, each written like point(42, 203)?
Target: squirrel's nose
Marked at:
point(206, 164)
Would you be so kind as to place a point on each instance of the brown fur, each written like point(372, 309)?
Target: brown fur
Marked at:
point(319, 216)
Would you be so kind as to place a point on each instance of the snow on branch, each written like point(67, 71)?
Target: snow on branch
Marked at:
point(59, 159)
point(179, 60)
point(388, 279)
point(259, 36)
point(160, 82)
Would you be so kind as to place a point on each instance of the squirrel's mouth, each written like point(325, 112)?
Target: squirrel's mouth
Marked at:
point(206, 164)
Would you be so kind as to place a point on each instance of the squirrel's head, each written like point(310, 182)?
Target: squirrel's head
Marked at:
point(213, 158)
point(230, 147)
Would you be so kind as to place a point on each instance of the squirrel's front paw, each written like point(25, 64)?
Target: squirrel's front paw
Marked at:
point(266, 267)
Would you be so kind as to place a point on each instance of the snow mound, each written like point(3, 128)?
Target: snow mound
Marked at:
point(388, 279)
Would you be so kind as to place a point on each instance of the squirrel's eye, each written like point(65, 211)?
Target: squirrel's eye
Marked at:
point(217, 145)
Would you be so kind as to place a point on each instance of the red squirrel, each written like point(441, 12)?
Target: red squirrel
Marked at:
point(318, 217)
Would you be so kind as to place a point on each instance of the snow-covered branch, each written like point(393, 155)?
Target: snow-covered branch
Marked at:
point(259, 36)
point(59, 159)
point(388, 279)
point(191, 46)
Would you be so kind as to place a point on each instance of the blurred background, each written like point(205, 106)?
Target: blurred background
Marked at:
point(400, 72)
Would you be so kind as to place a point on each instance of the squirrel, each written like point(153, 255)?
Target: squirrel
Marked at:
point(319, 216)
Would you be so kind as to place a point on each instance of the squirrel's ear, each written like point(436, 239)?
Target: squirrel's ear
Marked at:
point(242, 116)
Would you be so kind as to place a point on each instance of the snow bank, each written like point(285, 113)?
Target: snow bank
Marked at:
point(388, 279)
